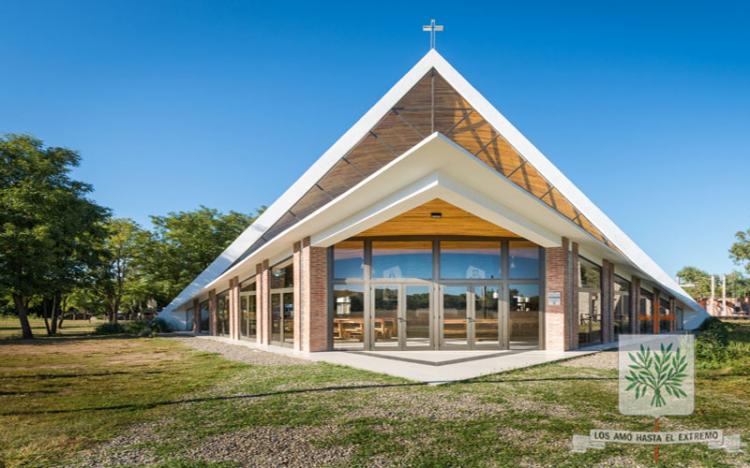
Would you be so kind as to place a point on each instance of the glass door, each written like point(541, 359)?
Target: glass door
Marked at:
point(589, 318)
point(417, 317)
point(487, 329)
point(454, 317)
point(276, 318)
point(385, 324)
point(282, 317)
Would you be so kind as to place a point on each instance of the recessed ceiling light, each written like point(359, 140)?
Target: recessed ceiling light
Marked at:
point(436, 215)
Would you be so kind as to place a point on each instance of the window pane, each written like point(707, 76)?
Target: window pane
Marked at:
point(402, 259)
point(475, 260)
point(417, 316)
point(205, 317)
point(348, 259)
point(523, 319)
point(589, 274)
point(645, 314)
point(348, 317)
point(222, 313)
point(282, 277)
point(622, 306)
point(486, 307)
point(385, 321)
point(524, 260)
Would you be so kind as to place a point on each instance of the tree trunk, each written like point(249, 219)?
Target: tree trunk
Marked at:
point(55, 313)
point(21, 309)
point(45, 314)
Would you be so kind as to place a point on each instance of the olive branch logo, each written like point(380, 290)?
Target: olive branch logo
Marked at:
point(657, 372)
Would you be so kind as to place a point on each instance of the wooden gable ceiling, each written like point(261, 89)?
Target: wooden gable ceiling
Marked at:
point(417, 115)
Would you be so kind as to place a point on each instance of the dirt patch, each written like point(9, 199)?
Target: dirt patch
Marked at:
point(601, 360)
point(241, 353)
point(272, 447)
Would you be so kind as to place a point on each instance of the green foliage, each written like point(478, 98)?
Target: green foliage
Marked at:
point(658, 372)
point(109, 329)
point(712, 344)
point(49, 229)
point(699, 278)
point(739, 252)
point(183, 244)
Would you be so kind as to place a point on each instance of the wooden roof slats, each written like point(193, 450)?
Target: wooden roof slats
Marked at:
point(432, 104)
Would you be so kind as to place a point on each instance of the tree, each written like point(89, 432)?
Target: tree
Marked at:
point(739, 252)
point(183, 244)
point(700, 280)
point(48, 226)
point(118, 267)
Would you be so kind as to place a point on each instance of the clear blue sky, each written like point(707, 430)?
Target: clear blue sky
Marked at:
point(644, 105)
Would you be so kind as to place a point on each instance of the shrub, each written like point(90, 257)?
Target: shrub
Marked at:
point(159, 325)
point(109, 329)
point(712, 343)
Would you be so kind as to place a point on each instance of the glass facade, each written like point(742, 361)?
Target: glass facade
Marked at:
point(622, 312)
point(436, 293)
point(666, 316)
point(348, 316)
point(349, 260)
point(589, 303)
point(204, 325)
point(524, 316)
point(524, 260)
point(646, 313)
point(402, 259)
point(222, 314)
point(470, 260)
point(282, 304)
point(248, 310)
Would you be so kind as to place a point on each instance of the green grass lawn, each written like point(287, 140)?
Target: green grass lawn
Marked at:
point(10, 327)
point(157, 401)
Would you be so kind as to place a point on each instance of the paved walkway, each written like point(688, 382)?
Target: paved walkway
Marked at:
point(426, 366)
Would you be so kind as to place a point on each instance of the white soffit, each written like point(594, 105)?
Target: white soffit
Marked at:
point(548, 170)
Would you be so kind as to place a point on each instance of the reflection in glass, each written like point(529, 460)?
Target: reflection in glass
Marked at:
point(469, 259)
point(348, 259)
point(524, 260)
point(417, 316)
point(222, 313)
point(282, 277)
point(276, 318)
point(646, 313)
point(455, 314)
point(205, 318)
point(248, 311)
point(348, 316)
point(589, 318)
point(622, 307)
point(402, 259)
point(666, 318)
point(589, 274)
point(385, 322)
point(523, 317)
point(486, 312)
point(288, 318)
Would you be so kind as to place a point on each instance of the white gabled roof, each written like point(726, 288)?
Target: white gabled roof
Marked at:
point(347, 141)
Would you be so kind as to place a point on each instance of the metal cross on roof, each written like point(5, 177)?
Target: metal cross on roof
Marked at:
point(432, 28)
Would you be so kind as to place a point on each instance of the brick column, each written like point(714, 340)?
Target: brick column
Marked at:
point(314, 324)
point(259, 318)
point(212, 312)
point(608, 295)
point(574, 264)
point(673, 312)
point(234, 308)
point(196, 315)
point(656, 311)
point(557, 280)
point(298, 292)
point(264, 312)
point(635, 303)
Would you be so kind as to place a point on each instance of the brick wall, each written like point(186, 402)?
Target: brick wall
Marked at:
point(313, 298)
point(574, 267)
point(556, 280)
point(234, 308)
point(635, 302)
point(212, 311)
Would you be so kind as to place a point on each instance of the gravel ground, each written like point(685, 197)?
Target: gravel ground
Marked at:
point(600, 360)
point(271, 447)
point(241, 353)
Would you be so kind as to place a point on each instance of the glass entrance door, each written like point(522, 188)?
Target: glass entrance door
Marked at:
point(282, 317)
point(470, 317)
point(589, 318)
point(454, 323)
point(402, 317)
